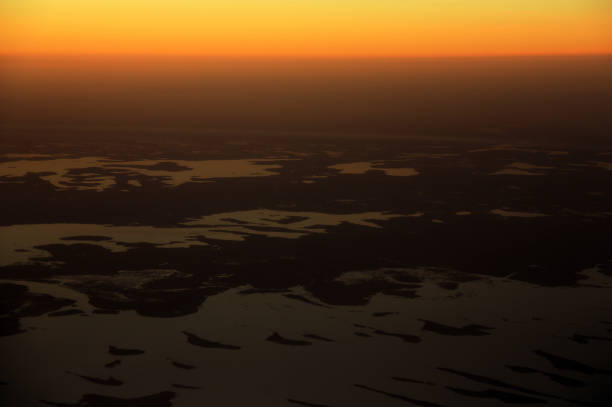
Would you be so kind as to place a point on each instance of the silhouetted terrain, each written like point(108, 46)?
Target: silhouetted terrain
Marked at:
point(459, 256)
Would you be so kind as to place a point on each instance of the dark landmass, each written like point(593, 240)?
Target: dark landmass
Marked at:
point(276, 338)
point(10, 326)
point(475, 212)
point(183, 365)
point(560, 245)
point(205, 343)
point(113, 363)
point(303, 299)
point(111, 381)
point(16, 302)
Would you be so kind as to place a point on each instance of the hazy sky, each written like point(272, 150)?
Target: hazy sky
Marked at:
point(306, 27)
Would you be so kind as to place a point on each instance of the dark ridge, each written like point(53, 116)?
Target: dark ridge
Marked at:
point(113, 350)
point(362, 326)
point(399, 397)
point(87, 238)
point(404, 337)
point(205, 343)
point(275, 337)
point(383, 314)
point(111, 381)
point(162, 399)
point(185, 386)
point(363, 334)
point(319, 338)
point(183, 365)
point(585, 339)
point(404, 379)
point(562, 363)
point(304, 299)
point(466, 330)
point(305, 403)
point(65, 313)
point(563, 380)
point(502, 396)
point(2, 383)
point(113, 363)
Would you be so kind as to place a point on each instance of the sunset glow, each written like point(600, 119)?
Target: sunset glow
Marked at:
point(306, 27)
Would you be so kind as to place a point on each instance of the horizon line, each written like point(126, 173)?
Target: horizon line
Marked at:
point(302, 56)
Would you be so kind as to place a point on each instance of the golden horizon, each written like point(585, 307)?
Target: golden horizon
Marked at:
point(306, 56)
point(381, 28)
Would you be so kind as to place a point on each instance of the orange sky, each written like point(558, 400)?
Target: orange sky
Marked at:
point(306, 27)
